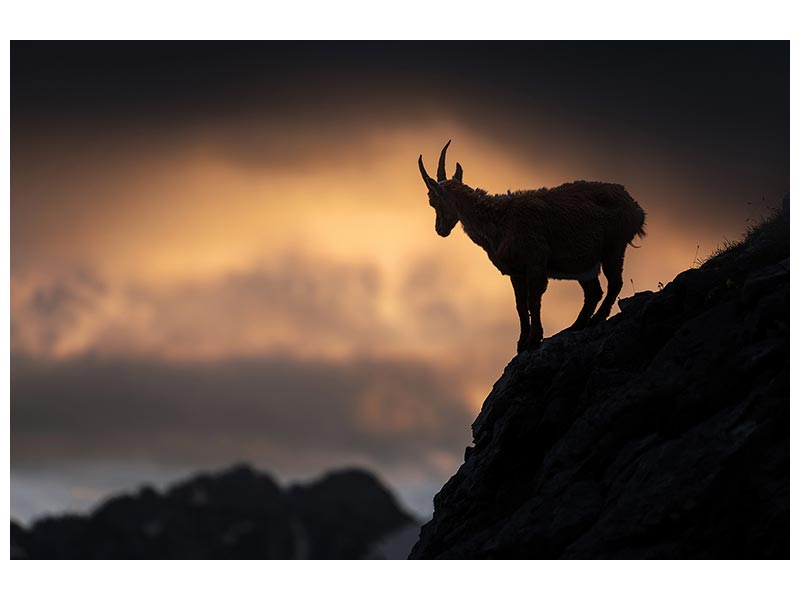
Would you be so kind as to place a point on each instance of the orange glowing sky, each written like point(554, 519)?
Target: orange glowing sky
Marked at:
point(169, 234)
point(304, 235)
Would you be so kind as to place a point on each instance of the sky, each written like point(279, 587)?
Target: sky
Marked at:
point(224, 252)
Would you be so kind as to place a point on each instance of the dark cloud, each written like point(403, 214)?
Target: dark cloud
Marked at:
point(690, 80)
point(707, 99)
point(42, 314)
point(275, 410)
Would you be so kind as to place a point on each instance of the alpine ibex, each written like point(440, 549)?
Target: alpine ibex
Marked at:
point(567, 232)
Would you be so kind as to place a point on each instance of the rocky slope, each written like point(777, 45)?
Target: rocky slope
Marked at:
point(663, 433)
point(239, 513)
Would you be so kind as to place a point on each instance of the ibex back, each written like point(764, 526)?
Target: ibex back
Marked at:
point(567, 232)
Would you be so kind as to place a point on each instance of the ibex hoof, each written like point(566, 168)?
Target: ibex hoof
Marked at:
point(528, 345)
point(595, 321)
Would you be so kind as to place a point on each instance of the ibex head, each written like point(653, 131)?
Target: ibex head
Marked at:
point(446, 216)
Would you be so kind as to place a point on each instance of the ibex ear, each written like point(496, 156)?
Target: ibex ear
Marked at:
point(459, 173)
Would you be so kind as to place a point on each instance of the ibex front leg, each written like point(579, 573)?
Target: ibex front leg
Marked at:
point(537, 285)
point(520, 283)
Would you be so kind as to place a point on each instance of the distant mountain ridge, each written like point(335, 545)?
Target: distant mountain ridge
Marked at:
point(663, 433)
point(238, 513)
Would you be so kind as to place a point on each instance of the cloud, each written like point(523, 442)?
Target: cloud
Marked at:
point(310, 305)
point(279, 410)
point(291, 304)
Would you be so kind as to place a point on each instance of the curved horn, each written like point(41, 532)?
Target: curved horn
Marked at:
point(459, 172)
point(429, 182)
point(425, 177)
point(440, 172)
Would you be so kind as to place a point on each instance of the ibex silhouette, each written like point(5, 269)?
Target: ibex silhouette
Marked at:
point(567, 232)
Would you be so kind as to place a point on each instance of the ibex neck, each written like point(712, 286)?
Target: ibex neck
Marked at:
point(477, 215)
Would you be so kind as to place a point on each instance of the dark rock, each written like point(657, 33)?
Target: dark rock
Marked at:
point(662, 433)
point(19, 541)
point(764, 279)
point(341, 513)
point(236, 514)
point(635, 302)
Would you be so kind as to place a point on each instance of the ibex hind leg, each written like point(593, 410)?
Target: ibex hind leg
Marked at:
point(520, 283)
point(612, 269)
point(592, 293)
